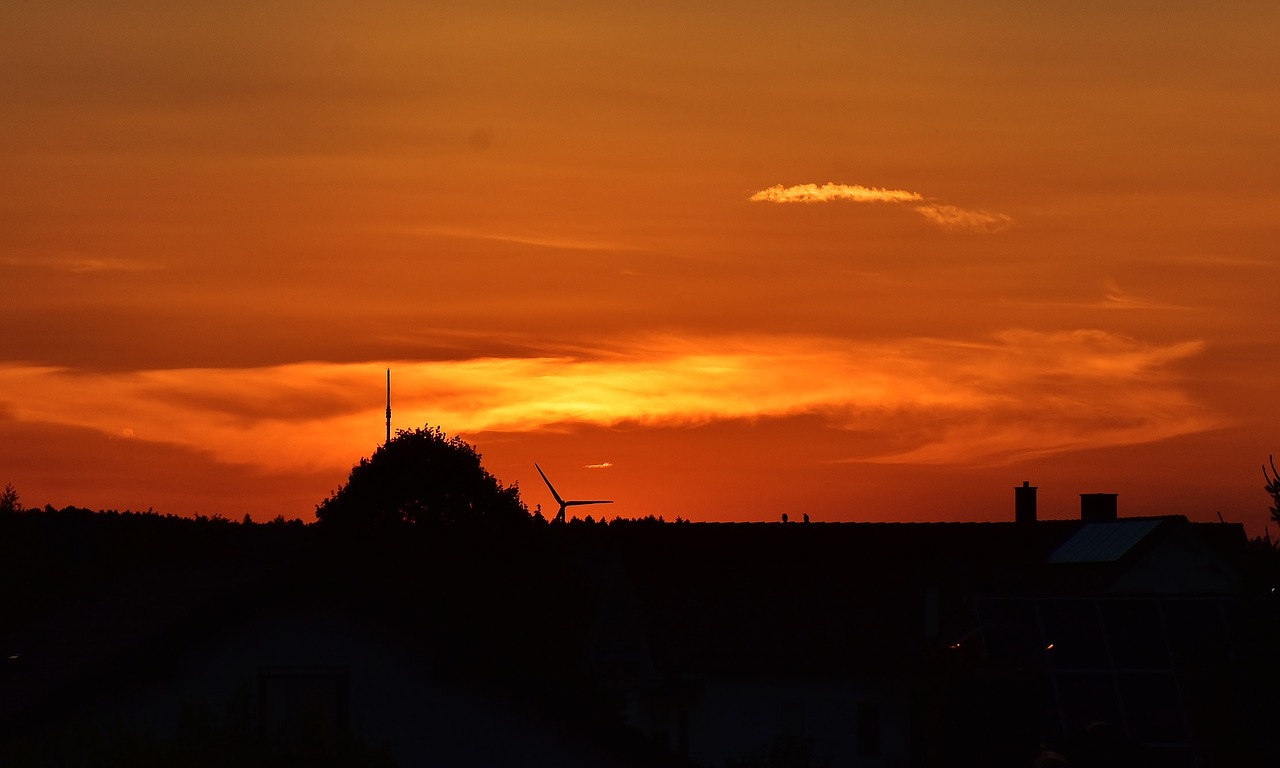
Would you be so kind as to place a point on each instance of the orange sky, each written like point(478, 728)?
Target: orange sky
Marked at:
point(867, 261)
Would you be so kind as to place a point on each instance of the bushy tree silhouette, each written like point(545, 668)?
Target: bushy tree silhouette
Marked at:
point(425, 477)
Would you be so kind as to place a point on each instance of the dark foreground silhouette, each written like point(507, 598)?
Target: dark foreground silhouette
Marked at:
point(475, 637)
point(144, 640)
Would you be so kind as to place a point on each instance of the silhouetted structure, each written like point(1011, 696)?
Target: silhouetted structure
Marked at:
point(560, 514)
point(1097, 507)
point(1024, 503)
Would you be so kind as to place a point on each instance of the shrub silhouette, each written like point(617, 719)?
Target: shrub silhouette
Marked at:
point(423, 477)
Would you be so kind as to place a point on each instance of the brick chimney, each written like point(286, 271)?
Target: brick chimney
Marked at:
point(1024, 503)
point(1097, 507)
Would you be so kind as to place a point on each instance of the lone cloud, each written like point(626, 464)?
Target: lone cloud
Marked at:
point(812, 193)
point(950, 217)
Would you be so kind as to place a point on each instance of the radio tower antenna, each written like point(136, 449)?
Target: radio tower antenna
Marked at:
point(388, 405)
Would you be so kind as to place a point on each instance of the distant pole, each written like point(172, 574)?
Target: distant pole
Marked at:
point(388, 405)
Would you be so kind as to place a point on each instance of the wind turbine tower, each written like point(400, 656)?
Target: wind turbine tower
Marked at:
point(388, 405)
point(570, 503)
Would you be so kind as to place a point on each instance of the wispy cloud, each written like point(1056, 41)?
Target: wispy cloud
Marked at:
point(955, 219)
point(79, 264)
point(1021, 393)
point(812, 193)
point(601, 465)
point(1217, 261)
point(1116, 298)
point(1034, 394)
point(950, 217)
point(539, 240)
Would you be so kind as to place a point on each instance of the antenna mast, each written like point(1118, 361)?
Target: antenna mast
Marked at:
point(388, 405)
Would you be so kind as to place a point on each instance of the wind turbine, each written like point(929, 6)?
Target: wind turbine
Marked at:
point(562, 502)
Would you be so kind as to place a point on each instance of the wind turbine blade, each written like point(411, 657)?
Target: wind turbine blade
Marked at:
point(559, 500)
point(580, 503)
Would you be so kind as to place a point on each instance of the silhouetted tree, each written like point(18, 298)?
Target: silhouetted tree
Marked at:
point(426, 477)
point(1273, 488)
point(9, 500)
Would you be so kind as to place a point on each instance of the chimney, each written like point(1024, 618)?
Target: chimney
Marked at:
point(1024, 503)
point(1097, 507)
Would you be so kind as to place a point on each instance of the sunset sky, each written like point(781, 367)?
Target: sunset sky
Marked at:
point(862, 260)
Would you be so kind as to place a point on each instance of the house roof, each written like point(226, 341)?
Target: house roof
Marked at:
point(1104, 542)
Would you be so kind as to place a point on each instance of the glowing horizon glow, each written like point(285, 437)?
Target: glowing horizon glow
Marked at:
point(1056, 392)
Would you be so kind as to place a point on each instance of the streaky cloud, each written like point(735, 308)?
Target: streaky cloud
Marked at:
point(1114, 298)
point(533, 239)
point(1019, 393)
point(1117, 298)
point(831, 192)
point(79, 264)
point(956, 219)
